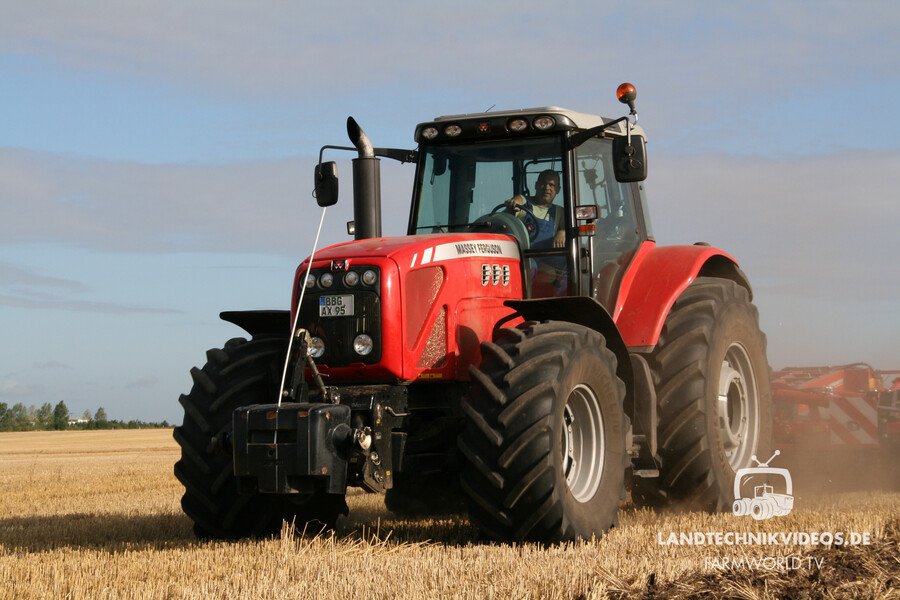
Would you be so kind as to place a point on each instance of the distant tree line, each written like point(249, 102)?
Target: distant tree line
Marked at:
point(48, 418)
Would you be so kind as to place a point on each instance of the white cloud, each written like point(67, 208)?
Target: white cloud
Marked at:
point(262, 206)
point(68, 304)
point(817, 237)
point(52, 364)
point(148, 381)
point(813, 226)
point(326, 49)
point(14, 389)
point(24, 288)
point(15, 277)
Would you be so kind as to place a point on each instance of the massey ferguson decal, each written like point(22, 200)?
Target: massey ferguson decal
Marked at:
point(467, 249)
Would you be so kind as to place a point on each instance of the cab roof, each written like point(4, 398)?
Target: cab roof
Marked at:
point(580, 120)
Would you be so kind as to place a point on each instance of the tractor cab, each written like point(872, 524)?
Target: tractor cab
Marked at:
point(471, 165)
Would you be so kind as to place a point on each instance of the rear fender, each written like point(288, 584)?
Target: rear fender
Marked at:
point(656, 278)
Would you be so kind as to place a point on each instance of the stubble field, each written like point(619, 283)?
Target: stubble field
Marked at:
point(97, 515)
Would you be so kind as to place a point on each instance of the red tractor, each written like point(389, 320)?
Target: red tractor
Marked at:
point(526, 347)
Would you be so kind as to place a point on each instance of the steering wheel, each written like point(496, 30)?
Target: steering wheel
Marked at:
point(532, 231)
point(505, 222)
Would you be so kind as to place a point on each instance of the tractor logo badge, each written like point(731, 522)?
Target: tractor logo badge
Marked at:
point(765, 503)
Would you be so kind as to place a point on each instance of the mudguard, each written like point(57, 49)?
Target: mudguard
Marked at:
point(583, 311)
point(256, 322)
point(656, 278)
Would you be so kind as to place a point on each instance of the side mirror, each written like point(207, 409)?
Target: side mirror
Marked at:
point(326, 188)
point(629, 158)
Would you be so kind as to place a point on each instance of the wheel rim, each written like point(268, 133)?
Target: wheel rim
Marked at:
point(583, 443)
point(738, 401)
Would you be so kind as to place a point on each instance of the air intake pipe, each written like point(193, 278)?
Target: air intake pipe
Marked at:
point(366, 185)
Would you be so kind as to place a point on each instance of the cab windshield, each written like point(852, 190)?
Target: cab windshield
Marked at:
point(465, 188)
point(461, 183)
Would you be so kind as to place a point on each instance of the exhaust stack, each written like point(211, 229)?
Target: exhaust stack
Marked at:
point(366, 185)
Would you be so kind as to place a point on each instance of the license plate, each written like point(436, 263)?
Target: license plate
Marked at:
point(336, 306)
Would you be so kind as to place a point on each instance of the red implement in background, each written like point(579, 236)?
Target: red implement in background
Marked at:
point(851, 406)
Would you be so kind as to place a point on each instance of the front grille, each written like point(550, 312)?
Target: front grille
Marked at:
point(338, 332)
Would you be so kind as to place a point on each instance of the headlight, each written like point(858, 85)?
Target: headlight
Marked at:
point(326, 280)
point(429, 133)
point(311, 282)
point(363, 344)
point(518, 124)
point(316, 347)
point(369, 277)
point(452, 130)
point(351, 278)
point(544, 123)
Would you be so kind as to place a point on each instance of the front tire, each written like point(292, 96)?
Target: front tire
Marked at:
point(240, 374)
point(544, 444)
point(714, 400)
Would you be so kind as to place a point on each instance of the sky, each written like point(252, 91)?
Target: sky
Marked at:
point(156, 160)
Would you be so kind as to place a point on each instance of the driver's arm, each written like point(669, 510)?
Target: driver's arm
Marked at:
point(514, 203)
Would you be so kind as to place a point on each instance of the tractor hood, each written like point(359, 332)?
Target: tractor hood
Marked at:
point(422, 303)
point(424, 249)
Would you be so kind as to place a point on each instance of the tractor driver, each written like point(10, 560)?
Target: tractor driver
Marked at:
point(546, 225)
point(548, 218)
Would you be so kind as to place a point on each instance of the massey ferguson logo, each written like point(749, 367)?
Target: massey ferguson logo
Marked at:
point(765, 503)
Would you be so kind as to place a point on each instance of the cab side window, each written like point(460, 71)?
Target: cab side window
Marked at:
point(617, 235)
point(598, 186)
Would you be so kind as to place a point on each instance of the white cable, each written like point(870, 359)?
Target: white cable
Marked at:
point(287, 359)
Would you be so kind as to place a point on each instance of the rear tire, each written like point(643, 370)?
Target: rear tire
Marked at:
point(713, 394)
point(544, 444)
point(240, 374)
